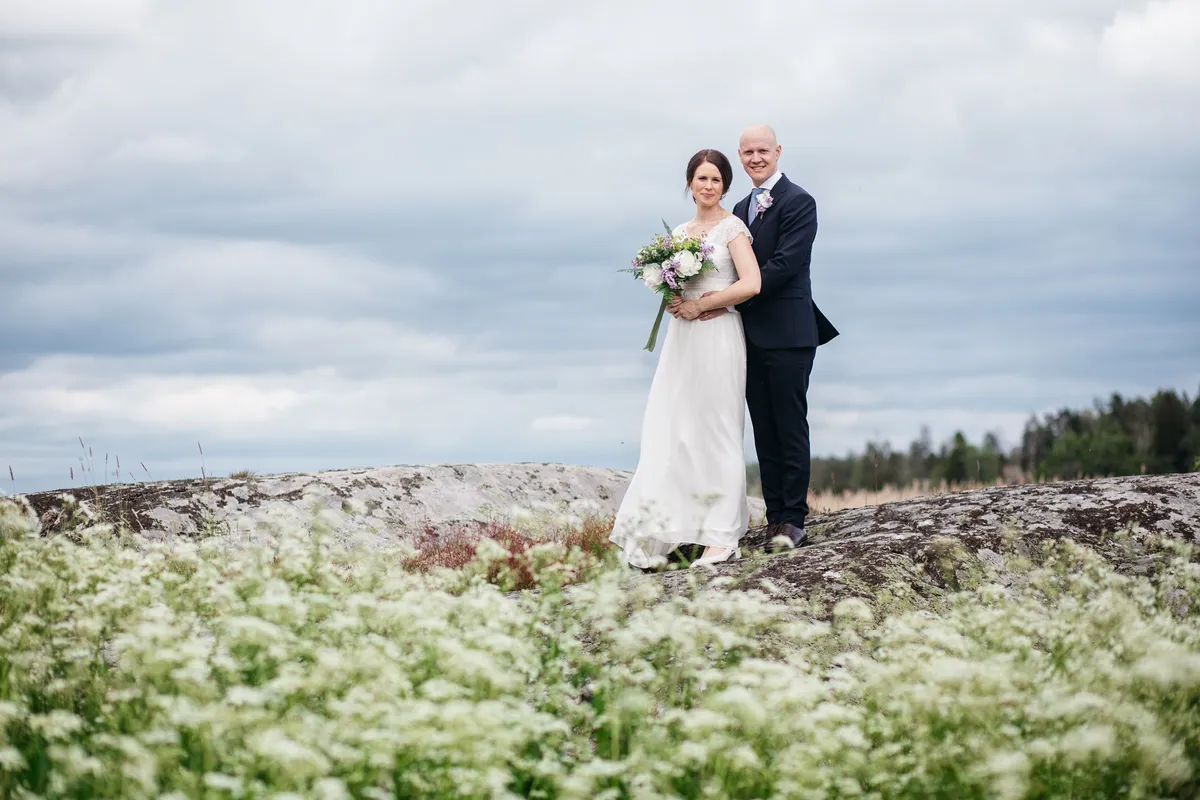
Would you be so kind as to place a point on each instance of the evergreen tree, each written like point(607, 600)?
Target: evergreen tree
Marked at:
point(1121, 437)
point(1170, 425)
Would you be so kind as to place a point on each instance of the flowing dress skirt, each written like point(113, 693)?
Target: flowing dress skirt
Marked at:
point(690, 482)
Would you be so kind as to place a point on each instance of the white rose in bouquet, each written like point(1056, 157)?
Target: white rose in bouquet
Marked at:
point(689, 265)
point(652, 275)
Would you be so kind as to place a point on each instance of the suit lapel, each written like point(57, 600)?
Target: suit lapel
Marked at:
point(777, 192)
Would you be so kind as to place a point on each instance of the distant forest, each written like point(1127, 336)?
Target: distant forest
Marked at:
point(1118, 437)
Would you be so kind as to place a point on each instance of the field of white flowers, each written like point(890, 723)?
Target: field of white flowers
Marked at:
point(301, 670)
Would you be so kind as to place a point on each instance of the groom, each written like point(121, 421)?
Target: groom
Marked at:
point(783, 329)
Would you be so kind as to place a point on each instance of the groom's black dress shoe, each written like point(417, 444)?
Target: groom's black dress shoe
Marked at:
point(795, 534)
point(798, 536)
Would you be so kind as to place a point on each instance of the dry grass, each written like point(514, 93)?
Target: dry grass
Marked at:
point(828, 502)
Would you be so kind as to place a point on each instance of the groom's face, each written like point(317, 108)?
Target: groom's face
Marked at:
point(759, 154)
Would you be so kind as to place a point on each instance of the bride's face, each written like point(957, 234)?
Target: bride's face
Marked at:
point(707, 186)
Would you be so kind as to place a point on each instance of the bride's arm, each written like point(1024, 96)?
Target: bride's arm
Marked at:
point(748, 284)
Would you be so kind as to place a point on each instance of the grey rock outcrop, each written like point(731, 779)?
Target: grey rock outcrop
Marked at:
point(947, 541)
point(372, 508)
point(933, 544)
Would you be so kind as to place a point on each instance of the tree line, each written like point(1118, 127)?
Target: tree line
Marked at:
point(1118, 437)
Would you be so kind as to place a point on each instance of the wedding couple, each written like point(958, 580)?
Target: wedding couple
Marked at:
point(743, 334)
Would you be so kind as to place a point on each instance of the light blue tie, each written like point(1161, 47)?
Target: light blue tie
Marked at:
point(751, 212)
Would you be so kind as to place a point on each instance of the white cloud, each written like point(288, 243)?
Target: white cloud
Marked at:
point(202, 283)
point(389, 231)
point(1156, 43)
point(169, 149)
point(73, 17)
point(561, 423)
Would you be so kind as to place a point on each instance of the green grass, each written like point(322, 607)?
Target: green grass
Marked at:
point(303, 670)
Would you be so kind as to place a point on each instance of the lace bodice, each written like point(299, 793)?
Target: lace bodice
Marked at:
point(725, 273)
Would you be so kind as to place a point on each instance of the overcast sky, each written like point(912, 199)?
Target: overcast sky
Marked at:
point(317, 235)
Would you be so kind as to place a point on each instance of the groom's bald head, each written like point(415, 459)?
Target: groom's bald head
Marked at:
point(759, 151)
point(758, 131)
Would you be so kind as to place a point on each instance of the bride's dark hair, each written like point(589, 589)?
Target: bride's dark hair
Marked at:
point(718, 160)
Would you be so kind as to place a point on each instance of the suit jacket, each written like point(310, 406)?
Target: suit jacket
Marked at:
point(783, 314)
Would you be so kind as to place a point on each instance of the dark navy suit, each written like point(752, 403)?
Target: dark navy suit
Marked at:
point(783, 328)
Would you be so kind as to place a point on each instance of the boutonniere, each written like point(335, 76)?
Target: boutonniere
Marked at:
point(762, 203)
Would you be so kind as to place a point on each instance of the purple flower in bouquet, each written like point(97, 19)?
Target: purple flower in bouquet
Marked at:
point(670, 278)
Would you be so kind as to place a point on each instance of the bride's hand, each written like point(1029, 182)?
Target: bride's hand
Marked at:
point(688, 309)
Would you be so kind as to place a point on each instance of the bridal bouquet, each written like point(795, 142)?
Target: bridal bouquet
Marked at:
point(666, 265)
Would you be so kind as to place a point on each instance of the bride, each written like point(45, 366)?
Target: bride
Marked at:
point(690, 482)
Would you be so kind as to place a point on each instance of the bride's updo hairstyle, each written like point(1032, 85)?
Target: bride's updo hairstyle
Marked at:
point(718, 160)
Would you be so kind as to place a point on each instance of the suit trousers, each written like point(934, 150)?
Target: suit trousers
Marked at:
point(777, 395)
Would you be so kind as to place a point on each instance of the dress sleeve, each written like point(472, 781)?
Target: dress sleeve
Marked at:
point(730, 229)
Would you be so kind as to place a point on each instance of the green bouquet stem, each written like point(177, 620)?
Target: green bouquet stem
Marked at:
point(654, 331)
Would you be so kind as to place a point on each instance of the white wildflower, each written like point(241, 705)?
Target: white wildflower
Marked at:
point(331, 789)
point(246, 696)
point(1163, 757)
point(75, 761)
point(1008, 774)
point(692, 752)
point(56, 724)
point(252, 631)
point(288, 754)
point(851, 737)
point(586, 506)
point(853, 608)
point(219, 781)
point(569, 521)
point(1090, 742)
point(11, 760)
point(1169, 665)
point(8, 711)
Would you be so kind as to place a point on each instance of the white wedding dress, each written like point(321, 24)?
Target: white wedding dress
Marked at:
point(690, 482)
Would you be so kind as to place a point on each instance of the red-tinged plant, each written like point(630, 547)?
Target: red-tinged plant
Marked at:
point(458, 547)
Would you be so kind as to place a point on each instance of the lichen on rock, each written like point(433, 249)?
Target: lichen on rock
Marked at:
point(949, 542)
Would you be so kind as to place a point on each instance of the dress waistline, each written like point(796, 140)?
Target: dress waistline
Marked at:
point(694, 289)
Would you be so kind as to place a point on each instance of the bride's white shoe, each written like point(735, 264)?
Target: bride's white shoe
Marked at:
point(729, 554)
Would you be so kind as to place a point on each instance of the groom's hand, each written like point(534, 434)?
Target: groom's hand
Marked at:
point(716, 312)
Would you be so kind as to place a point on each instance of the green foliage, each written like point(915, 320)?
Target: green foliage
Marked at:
point(1121, 437)
point(203, 670)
